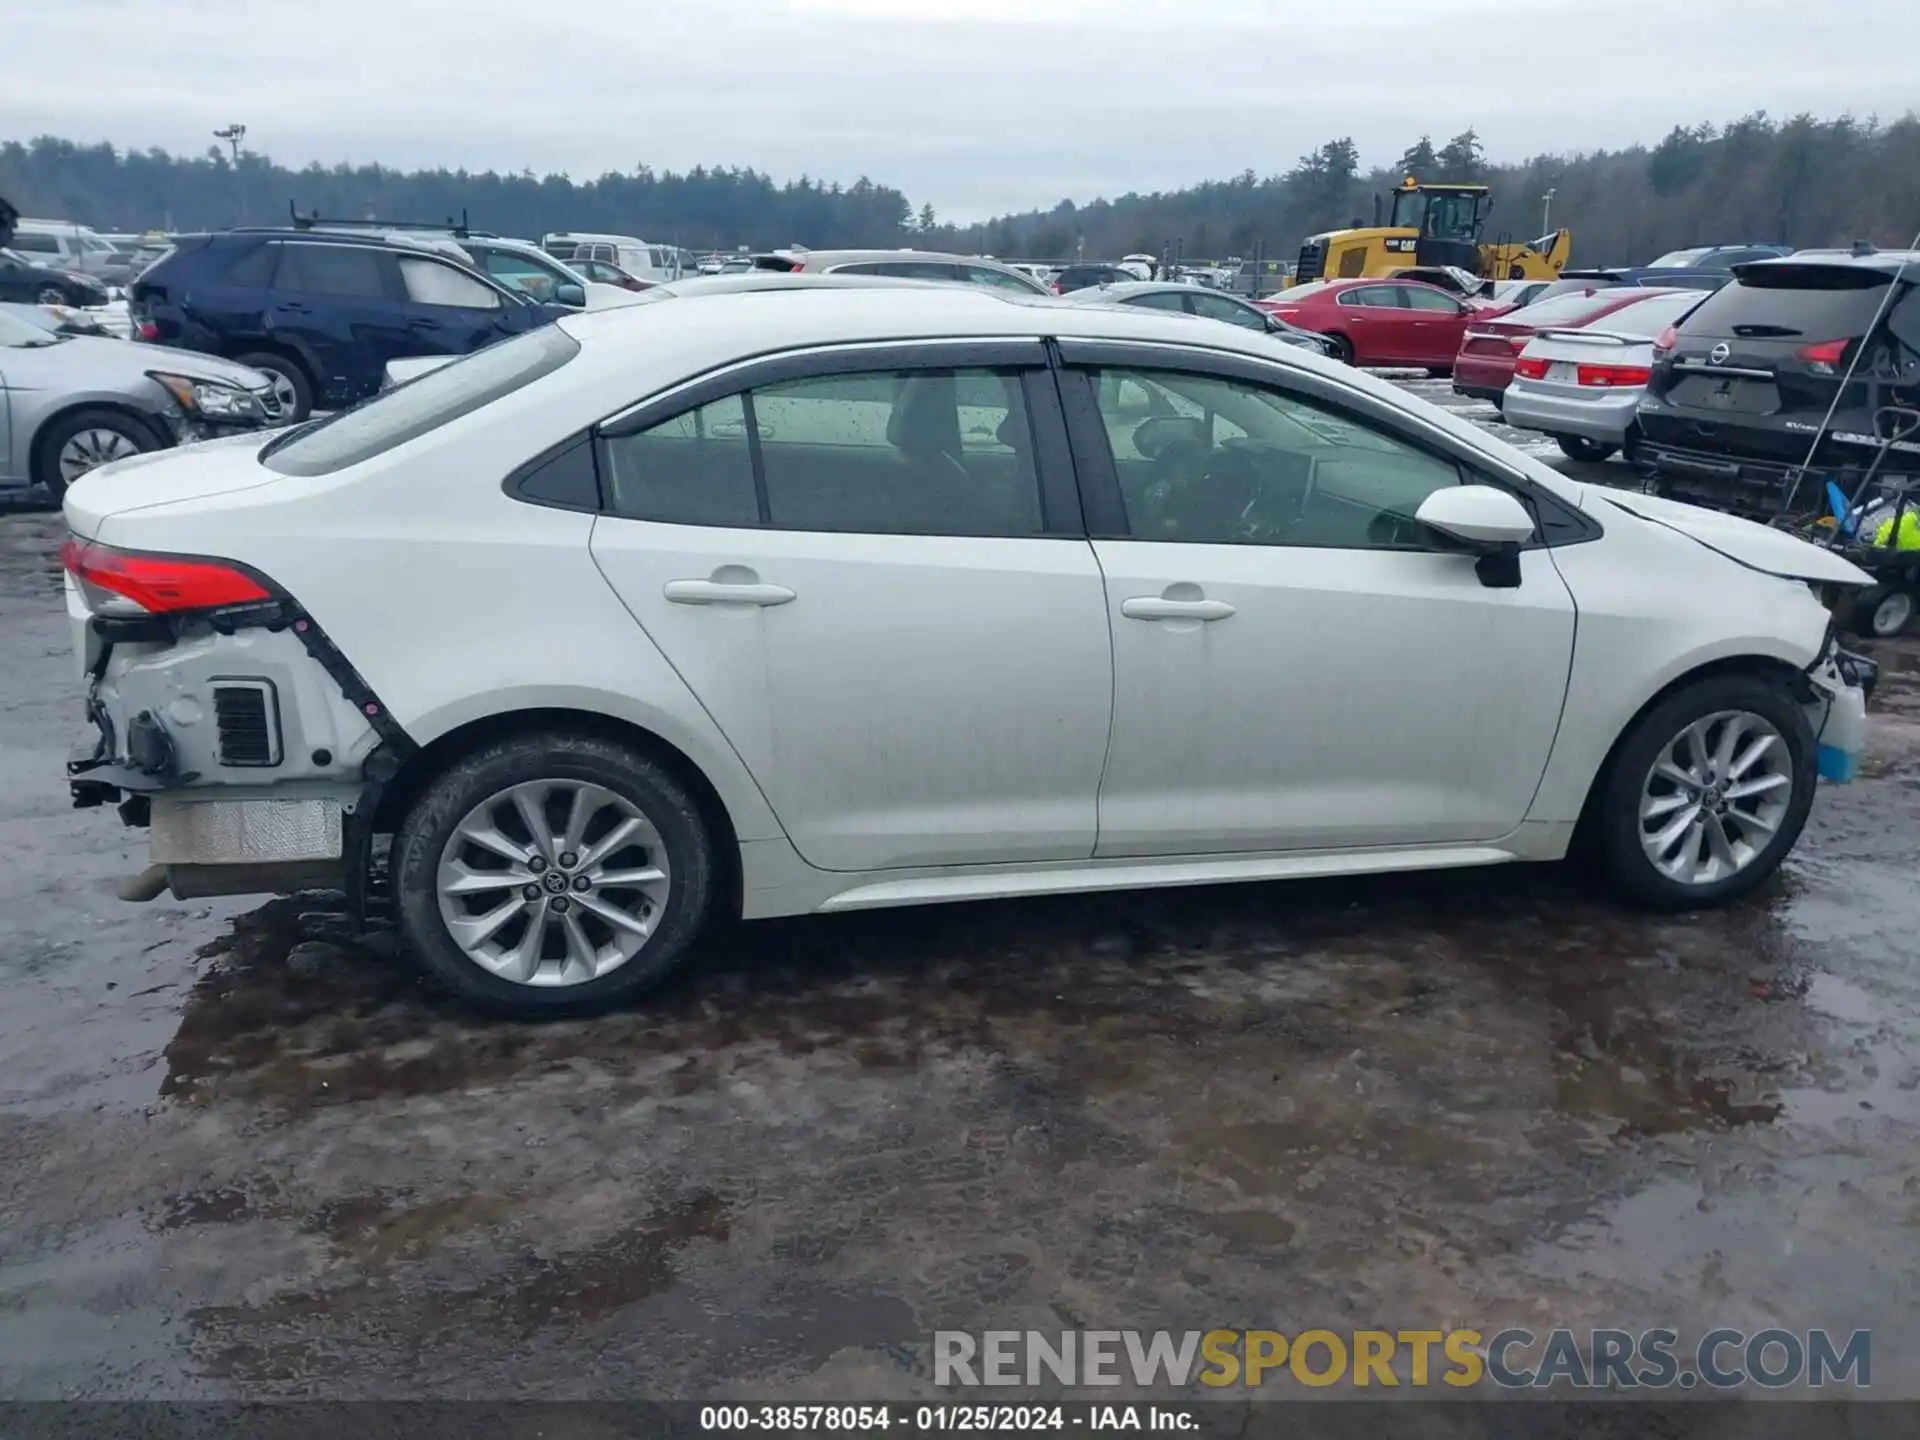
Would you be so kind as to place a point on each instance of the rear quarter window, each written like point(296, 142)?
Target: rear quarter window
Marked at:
point(420, 406)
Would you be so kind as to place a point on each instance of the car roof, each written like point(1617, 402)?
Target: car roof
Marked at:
point(754, 281)
point(841, 257)
point(1889, 262)
point(385, 240)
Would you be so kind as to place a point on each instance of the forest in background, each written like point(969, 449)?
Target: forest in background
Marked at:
point(1801, 181)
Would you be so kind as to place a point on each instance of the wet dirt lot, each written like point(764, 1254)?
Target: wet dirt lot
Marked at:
point(235, 1161)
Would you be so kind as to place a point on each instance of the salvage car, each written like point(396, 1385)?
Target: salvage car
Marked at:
point(28, 281)
point(1381, 322)
point(1800, 368)
point(1493, 341)
point(322, 312)
point(1181, 299)
point(742, 607)
point(69, 403)
point(1582, 384)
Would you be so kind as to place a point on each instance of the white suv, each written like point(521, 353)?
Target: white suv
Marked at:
point(755, 605)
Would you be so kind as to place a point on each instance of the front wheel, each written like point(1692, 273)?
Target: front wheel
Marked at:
point(553, 874)
point(1340, 348)
point(1707, 793)
point(52, 295)
point(1578, 447)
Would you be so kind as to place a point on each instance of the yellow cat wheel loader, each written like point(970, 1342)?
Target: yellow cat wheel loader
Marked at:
point(1432, 224)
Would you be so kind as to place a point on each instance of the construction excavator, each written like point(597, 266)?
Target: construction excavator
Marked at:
point(1431, 224)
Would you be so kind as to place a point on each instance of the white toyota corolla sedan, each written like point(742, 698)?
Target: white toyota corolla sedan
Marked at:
point(762, 604)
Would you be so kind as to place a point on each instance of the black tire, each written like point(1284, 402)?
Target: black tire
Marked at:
point(1439, 372)
point(551, 755)
point(1617, 823)
point(1881, 611)
point(1578, 447)
point(1340, 348)
point(53, 439)
point(271, 363)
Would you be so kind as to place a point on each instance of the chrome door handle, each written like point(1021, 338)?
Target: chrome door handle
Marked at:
point(1155, 607)
point(720, 592)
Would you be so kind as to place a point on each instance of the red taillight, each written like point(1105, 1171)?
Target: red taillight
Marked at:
point(1530, 367)
point(1824, 358)
point(161, 584)
point(148, 331)
point(1668, 338)
point(1605, 376)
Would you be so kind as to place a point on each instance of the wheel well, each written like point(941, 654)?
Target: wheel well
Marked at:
point(36, 452)
point(430, 760)
point(235, 349)
point(1761, 665)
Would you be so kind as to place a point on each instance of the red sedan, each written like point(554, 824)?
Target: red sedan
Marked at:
point(1381, 322)
point(1491, 345)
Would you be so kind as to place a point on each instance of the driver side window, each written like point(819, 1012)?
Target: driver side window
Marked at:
point(1204, 459)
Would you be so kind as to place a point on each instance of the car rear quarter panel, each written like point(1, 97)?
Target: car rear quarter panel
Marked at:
point(454, 601)
point(1654, 606)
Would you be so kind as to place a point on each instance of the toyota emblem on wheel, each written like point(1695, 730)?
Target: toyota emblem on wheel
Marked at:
point(1718, 355)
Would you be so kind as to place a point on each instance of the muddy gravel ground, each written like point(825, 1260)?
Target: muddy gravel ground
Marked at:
point(238, 1161)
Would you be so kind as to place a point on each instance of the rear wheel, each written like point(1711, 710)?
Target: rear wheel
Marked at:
point(86, 440)
point(553, 874)
point(1707, 793)
point(1882, 611)
point(1439, 372)
point(291, 385)
point(1578, 447)
point(1340, 348)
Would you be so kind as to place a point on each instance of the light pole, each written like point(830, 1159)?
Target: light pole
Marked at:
point(233, 135)
point(1546, 209)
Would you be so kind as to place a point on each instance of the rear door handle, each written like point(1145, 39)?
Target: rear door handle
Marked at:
point(720, 592)
point(1156, 607)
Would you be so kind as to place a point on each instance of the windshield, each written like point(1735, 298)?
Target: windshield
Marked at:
point(1677, 259)
point(411, 410)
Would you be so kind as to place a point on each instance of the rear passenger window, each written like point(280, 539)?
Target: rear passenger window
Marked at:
point(883, 452)
point(695, 469)
point(254, 269)
point(332, 270)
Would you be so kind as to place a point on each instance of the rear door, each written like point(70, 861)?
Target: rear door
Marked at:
point(869, 566)
point(447, 311)
point(1435, 323)
point(336, 305)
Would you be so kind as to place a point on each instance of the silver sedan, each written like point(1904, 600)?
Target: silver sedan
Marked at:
point(69, 403)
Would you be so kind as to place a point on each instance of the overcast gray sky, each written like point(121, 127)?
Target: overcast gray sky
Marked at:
point(1019, 103)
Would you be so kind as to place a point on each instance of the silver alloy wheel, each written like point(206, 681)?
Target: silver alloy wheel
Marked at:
point(1715, 797)
point(553, 882)
point(284, 395)
point(51, 295)
point(1893, 612)
point(91, 448)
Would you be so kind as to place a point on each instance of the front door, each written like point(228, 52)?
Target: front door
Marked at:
point(868, 577)
point(446, 311)
point(1294, 666)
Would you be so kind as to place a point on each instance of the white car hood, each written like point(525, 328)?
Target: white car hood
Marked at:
point(1755, 546)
